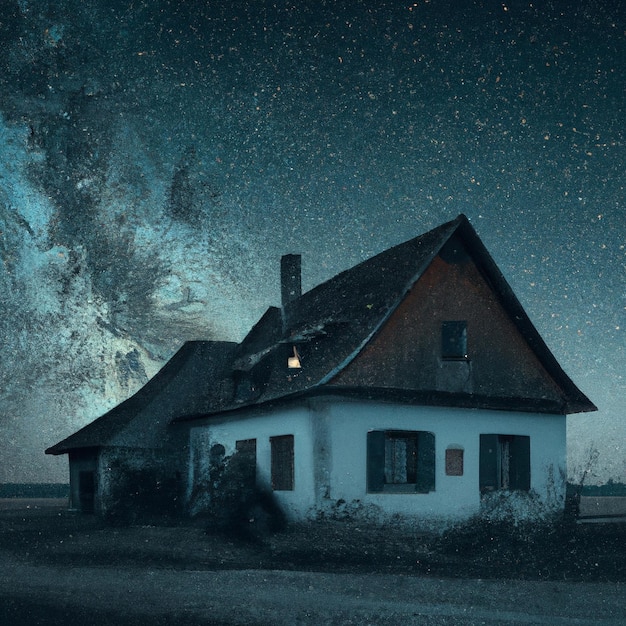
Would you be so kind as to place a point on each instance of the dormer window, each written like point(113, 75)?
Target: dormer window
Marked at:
point(293, 362)
point(244, 389)
point(454, 340)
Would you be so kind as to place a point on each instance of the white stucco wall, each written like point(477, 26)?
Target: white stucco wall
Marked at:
point(289, 421)
point(454, 496)
point(330, 454)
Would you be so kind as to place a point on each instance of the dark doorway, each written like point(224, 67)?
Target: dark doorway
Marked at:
point(86, 491)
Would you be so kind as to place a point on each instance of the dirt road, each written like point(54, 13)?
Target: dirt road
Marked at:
point(55, 569)
point(101, 596)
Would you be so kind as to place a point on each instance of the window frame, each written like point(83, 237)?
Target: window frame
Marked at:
point(400, 457)
point(454, 340)
point(504, 463)
point(379, 465)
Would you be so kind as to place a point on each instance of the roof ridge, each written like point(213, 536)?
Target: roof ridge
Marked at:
point(452, 226)
point(351, 307)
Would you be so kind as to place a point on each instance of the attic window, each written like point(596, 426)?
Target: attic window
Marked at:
point(454, 340)
point(293, 362)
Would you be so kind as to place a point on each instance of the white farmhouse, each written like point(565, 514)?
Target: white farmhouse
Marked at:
point(411, 385)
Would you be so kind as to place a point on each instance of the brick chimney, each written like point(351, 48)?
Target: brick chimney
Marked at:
point(290, 280)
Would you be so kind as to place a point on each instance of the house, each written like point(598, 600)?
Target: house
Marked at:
point(412, 385)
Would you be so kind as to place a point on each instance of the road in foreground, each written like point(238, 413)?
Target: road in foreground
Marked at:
point(57, 568)
point(42, 594)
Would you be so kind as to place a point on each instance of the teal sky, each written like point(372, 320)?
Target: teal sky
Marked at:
point(159, 158)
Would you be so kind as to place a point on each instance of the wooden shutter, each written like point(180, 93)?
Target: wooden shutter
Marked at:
point(246, 461)
point(488, 463)
point(375, 461)
point(425, 462)
point(519, 464)
point(282, 463)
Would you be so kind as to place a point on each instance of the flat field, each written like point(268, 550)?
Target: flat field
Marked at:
point(58, 567)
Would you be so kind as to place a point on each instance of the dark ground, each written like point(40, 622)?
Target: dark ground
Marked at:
point(51, 539)
point(592, 552)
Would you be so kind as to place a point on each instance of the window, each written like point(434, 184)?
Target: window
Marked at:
point(282, 463)
point(454, 461)
point(244, 388)
point(400, 461)
point(400, 458)
point(454, 340)
point(246, 456)
point(246, 447)
point(504, 462)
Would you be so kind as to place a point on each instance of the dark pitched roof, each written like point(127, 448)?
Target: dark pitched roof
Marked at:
point(331, 324)
point(187, 383)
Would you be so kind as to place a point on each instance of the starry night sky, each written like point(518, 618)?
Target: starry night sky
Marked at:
point(159, 157)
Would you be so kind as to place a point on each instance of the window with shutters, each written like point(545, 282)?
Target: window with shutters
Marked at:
point(282, 463)
point(504, 463)
point(400, 461)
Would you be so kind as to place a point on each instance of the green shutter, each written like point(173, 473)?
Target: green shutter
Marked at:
point(488, 463)
point(519, 467)
point(282, 460)
point(375, 461)
point(425, 462)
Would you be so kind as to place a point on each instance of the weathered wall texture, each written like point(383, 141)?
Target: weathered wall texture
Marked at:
point(330, 452)
point(135, 484)
point(406, 353)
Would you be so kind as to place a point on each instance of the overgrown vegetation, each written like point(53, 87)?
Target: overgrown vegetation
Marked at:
point(141, 495)
point(490, 550)
point(550, 551)
point(230, 501)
